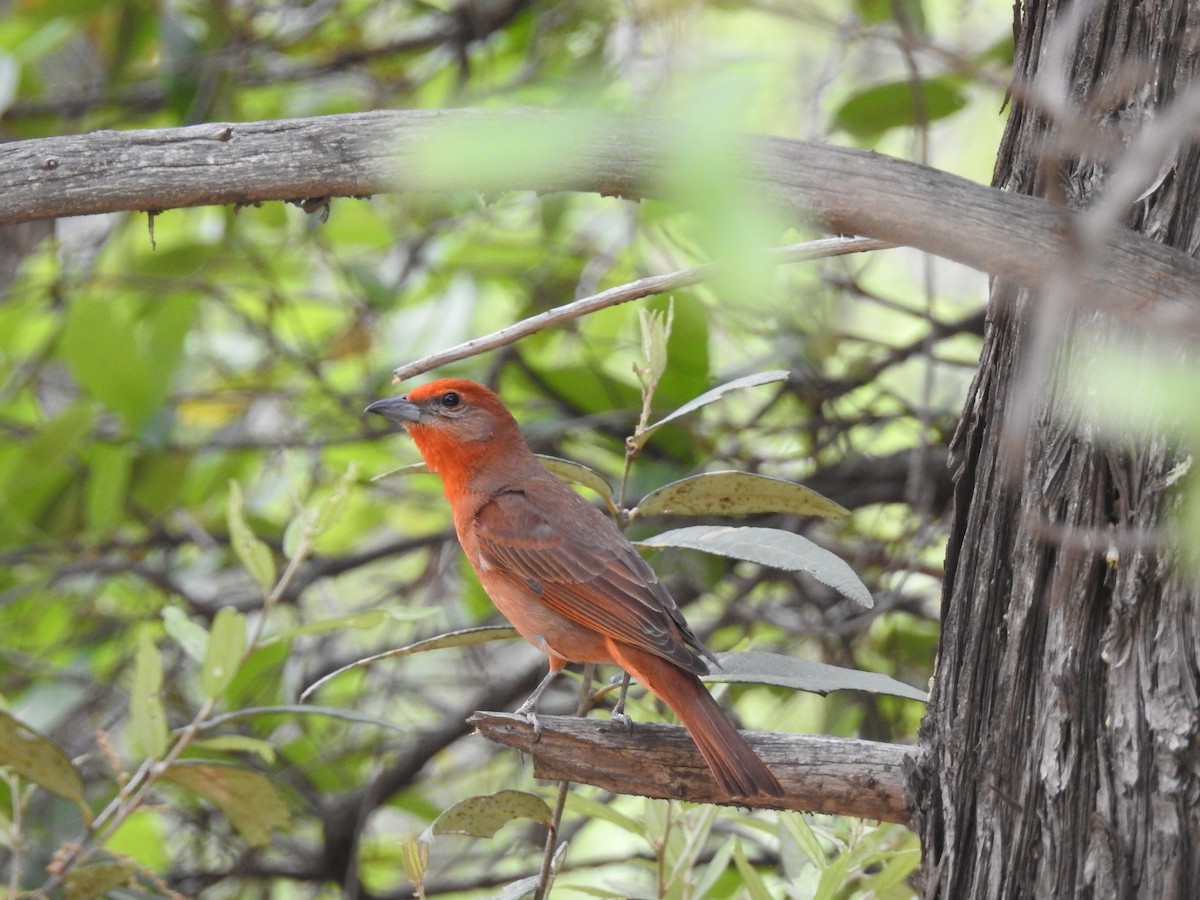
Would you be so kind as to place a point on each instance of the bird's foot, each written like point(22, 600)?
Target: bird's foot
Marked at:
point(528, 712)
point(621, 719)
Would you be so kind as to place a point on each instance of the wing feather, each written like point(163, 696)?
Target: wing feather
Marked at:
point(586, 569)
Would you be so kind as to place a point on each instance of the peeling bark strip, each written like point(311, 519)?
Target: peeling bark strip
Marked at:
point(1060, 755)
point(360, 154)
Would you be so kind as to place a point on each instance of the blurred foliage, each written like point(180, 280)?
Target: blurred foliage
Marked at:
point(140, 378)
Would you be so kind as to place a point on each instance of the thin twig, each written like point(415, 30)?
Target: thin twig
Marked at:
point(634, 290)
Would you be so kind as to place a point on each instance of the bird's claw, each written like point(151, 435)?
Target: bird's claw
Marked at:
point(529, 714)
point(621, 719)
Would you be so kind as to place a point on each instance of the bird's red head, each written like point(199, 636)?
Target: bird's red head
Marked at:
point(459, 426)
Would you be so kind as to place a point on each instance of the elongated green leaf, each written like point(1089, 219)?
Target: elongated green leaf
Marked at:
point(753, 882)
point(797, 827)
point(462, 638)
point(759, 667)
point(522, 887)
point(769, 547)
point(225, 647)
point(146, 712)
point(96, 880)
point(368, 618)
point(189, 635)
point(414, 857)
point(894, 105)
point(238, 743)
point(708, 397)
point(594, 809)
point(41, 467)
point(417, 468)
point(254, 554)
point(576, 473)
point(484, 815)
point(248, 799)
point(735, 494)
point(36, 758)
point(714, 870)
point(331, 508)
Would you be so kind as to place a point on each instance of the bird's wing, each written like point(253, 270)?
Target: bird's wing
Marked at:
point(577, 562)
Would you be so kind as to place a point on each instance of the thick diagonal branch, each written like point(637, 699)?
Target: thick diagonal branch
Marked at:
point(843, 190)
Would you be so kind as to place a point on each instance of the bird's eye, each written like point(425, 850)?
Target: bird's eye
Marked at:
point(451, 400)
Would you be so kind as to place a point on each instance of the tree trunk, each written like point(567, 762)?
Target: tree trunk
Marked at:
point(1060, 753)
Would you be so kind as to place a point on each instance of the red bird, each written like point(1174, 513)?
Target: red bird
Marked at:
point(562, 573)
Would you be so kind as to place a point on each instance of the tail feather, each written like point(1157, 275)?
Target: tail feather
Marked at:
point(734, 765)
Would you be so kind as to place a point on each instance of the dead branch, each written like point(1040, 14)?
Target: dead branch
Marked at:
point(819, 773)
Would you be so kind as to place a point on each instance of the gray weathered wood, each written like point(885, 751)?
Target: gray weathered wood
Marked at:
point(818, 773)
point(360, 154)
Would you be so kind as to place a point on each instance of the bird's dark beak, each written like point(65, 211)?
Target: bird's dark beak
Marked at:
point(398, 409)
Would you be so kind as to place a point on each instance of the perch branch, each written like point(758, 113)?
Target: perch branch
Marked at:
point(818, 773)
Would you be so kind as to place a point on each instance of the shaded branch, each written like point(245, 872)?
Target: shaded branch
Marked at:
point(819, 773)
point(848, 191)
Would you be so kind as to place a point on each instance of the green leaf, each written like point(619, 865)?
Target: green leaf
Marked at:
point(254, 554)
point(191, 636)
point(418, 468)
point(876, 12)
point(331, 508)
point(708, 397)
point(38, 759)
point(576, 473)
point(463, 638)
point(523, 887)
point(753, 882)
point(760, 667)
point(483, 816)
point(42, 467)
point(147, 715)
point(714, 870)
point(769, 547)
point(656, 330)
point(366, 619)
point(237, 743)
point(96, 880)
point(248, 799)
point(109, 470)
point(494, 156)
point(594, 809)
point(698, 831)
point(735, 494)
point(226, 644)
point(125, 352)
point(871, 112)
point(414, 856)
point(796, 825)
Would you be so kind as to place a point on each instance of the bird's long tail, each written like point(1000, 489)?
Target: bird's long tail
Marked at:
point(734, 765)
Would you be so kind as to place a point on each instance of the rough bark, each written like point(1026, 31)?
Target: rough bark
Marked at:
point(1060, 753)
point(848, 191)
point(818, 773)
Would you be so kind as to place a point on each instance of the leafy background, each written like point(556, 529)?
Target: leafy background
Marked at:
point(148, 365)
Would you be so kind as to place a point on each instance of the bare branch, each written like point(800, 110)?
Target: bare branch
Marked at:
point(848, 191)
point(634, 290)
point(819, 773)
